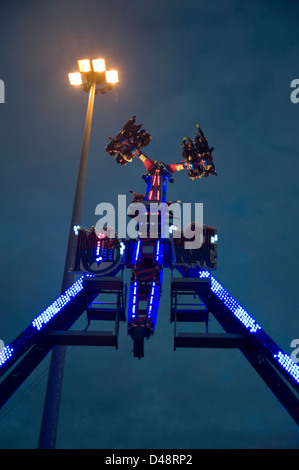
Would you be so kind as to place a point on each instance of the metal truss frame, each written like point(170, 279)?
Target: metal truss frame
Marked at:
point(237, 335)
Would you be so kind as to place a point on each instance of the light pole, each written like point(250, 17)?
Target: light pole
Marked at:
point(93, 77)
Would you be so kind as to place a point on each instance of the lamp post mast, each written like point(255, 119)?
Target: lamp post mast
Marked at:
point(49, 424)
point(92, 73)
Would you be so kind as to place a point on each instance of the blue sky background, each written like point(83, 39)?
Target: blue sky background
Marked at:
point(227, 65)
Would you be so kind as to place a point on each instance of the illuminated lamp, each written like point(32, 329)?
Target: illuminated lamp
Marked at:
point(99, 65)
point(84, 65)
point(75, 78)
point(111, 76)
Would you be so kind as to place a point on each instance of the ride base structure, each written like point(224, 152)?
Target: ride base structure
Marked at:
point(100, 290)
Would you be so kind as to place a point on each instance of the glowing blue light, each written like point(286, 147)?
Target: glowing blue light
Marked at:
point(283, 359)
point(122, 248)
point(76, 229)
point(159, 252)
point(99, 259)
point(132, 301)
point(98, 250)
point(151, 300)
point(5, 354)
point(172, 228)
point(25, 339)
point(288, 364)
point(133, 311)
point(154, 302)
point(58, 304)
point(158, 249)
point(239, 312)
point(204, 274)
point(137, 251)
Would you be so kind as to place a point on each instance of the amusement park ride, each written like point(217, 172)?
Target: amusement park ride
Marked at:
point(100, 261)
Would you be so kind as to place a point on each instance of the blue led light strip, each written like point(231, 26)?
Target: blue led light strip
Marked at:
point(234, 306)
point(150, 305)
point(283, 359)
point(134, 299)
point(132, 304)
point(5, 354)
point(24, 340)
point(154, 302)
point(164, 189)
point(137, 248)
point(58, 304)
point(288, 364)
point(158, 250)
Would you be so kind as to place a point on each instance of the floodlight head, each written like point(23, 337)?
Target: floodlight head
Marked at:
point(84, 65)
point(99, 65)
point(112, 76)
point(75, 78)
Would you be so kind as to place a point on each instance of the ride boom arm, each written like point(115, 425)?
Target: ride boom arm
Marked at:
point(131, 139)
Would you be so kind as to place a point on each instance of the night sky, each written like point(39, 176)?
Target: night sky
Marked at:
point(226, 65)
